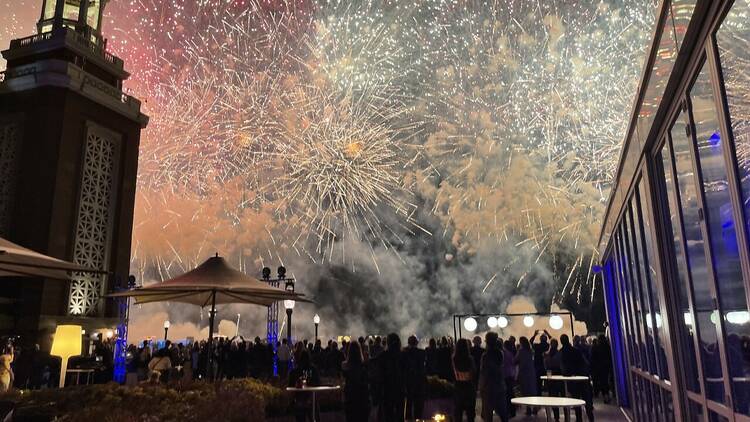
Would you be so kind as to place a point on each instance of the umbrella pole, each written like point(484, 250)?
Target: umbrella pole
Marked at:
point(211, 335)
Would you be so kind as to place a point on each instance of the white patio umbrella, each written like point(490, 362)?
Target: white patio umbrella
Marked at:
point(17, 261)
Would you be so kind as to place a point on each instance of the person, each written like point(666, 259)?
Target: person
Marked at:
point(356, 387)
point(491, 383)
point(601, 367)
point(509, 373)
point(573, 363)
point(390, 381)
point(526, 372)
point(540, 349)
point(476, 353)
point(444, 354)
point(6, 372)
point(160, 364)
point(304, 373)
point(552, 362)
point(465, 373)
point(416, 378)
point(431, 358)
point(284, 353)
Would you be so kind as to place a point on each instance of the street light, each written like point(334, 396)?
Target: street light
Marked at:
point(528, 321)
point(289, 306)
point(316, 321)
point(470, 324)
point(166, 329)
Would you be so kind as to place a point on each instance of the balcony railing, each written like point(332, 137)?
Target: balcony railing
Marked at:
point(73, 37)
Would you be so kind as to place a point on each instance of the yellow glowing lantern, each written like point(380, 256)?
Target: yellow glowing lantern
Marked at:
point(67, 343)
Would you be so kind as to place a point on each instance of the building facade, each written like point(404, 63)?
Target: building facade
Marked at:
point(69, 140)
point(675, 244)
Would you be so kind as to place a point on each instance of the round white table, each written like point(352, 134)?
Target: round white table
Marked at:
point(313, 390)
point(565, 380)
point(549, 403)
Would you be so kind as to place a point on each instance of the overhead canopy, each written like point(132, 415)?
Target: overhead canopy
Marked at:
point(15, 260)
point(213, 277)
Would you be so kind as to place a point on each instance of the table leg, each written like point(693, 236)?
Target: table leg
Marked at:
point(78, 378)
point(546, 412)
point(566, 413)
point(313, 408)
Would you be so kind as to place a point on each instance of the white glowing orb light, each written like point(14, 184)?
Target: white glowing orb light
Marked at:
point(555, 322)
point(502, 322)
point(492, 322)
point(738, 317)
point(470, 324)
point(688, 318)
point(528, 321)
point(649, 322)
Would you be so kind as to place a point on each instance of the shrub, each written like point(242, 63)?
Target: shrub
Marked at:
point(236, 400)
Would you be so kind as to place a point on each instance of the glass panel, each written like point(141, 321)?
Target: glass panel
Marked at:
point(634, 293)
point(720, 221)
point(669, 404)
point(715, 417)
point(696, 264)
point(645, 315)
point(696, 412)
point(623, 302)
point(71, 9)
point(733, 40)
point(647, 254)
point(628, 305)
point(49, 9)
point(682, 11)
point(92, 14)
point(686, 330)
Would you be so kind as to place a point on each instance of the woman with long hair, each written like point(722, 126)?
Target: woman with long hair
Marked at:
point(356, 387)
point(465, 372)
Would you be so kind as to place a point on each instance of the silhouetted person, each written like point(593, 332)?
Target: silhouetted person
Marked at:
point(444, 356)
point(540, 349)
point(416, 379)
point(391, 382)
point(574, 363)
point(356, 386)
point(601, 367)
point(465, 373)
point(526, 372)
point(431, 358)
point(306, 371)
point(491, 381)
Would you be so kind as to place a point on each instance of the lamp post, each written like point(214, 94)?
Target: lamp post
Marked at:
point(316, 321)
point(166, 329)
point(289, 306)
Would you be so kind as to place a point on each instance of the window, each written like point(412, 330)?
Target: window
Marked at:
point(644, 238)
point(686, 330)
point(720, 222)
point(705, 313)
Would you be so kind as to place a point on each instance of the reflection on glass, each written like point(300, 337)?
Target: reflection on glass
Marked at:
point(687, 328)
point(638, 350)
point(650, 280)
point(71, 9)
point(49, 9)
point(721, 228)
point(639, 274)
point(695, 262)
point(682, 11)
point(624, 303)
point(92, 18)
point(645, 346)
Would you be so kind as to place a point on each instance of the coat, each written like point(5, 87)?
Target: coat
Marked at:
point(491, 383)
point(526, 372)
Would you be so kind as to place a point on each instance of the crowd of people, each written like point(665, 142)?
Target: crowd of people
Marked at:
point(379, 374)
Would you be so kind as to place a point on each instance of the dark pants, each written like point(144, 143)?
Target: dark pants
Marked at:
point(414, 406)
point(510, 384)
point(582, 390)
point(556, 389)
point(464, 401)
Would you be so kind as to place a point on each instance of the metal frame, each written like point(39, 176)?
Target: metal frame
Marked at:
point(458, 331)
